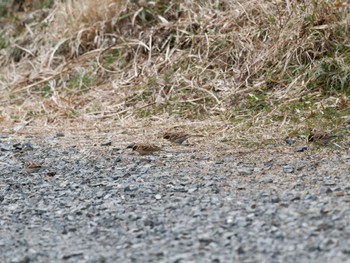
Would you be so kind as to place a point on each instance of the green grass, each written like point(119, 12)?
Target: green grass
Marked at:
point(80, 82)
point(4, 43)
point(256, 64)
point(330, 76)
point(46, 91)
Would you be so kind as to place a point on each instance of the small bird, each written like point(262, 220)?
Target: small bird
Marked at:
point(31, 167)
point(144, 148)
point(178, 137)
point(319, 137)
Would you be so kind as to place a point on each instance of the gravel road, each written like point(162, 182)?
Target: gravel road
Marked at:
point(105, 204)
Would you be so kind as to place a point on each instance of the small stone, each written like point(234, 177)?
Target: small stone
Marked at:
point(27, 146)
point(109, 143)
point(158, 196)
point(185, 143)
point(130, 188)
point(117, 159)
point(51, 173)
point(329, 183)
point(242, 222)
point(5, 147)
point(328, 244)
point(240, 250)
point(288, 169)
point(230, 159)
point(60, 134)
point(326, 190)
point(17, 146)
point(266, 181)
point(295, 198)
point(311, 197)
point(268, 165)
point(151, 158)
point(245, 170)
point(322, 227)
point(72, 255)
point(19, 127)
point(275, 199)
point(300, 149)
point(229, 220)
point(192, 190)
point(289, 141)
point(205, 239)
point(25, 259)
point(117, 150)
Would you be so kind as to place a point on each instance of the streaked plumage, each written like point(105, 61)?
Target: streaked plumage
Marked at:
point(144, 148)
point(31, 167)
point(319, 137)
point(178, 137)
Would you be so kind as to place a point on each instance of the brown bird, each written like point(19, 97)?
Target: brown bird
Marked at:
point(144, 148)
point(178, 137)
point(319, 137)
point(31, 167)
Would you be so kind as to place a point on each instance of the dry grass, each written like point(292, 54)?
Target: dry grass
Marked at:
point(249, 71)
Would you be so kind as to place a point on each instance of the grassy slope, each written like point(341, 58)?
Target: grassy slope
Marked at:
point(264, 69)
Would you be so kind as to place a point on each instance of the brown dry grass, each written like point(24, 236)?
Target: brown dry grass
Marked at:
point(246, 71)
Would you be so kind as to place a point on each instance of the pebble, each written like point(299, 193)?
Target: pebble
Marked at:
point(288, 169)
point(4, 147)
point(91, 207)
point(289, 141)
point(300, 149)
point(108, 143)
point(268, 165)
point(243, 170)
point(60, 134)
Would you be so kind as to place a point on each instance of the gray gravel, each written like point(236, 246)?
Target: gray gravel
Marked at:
point(105, 204)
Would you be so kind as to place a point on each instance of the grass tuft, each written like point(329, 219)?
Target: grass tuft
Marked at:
point(265, 66)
